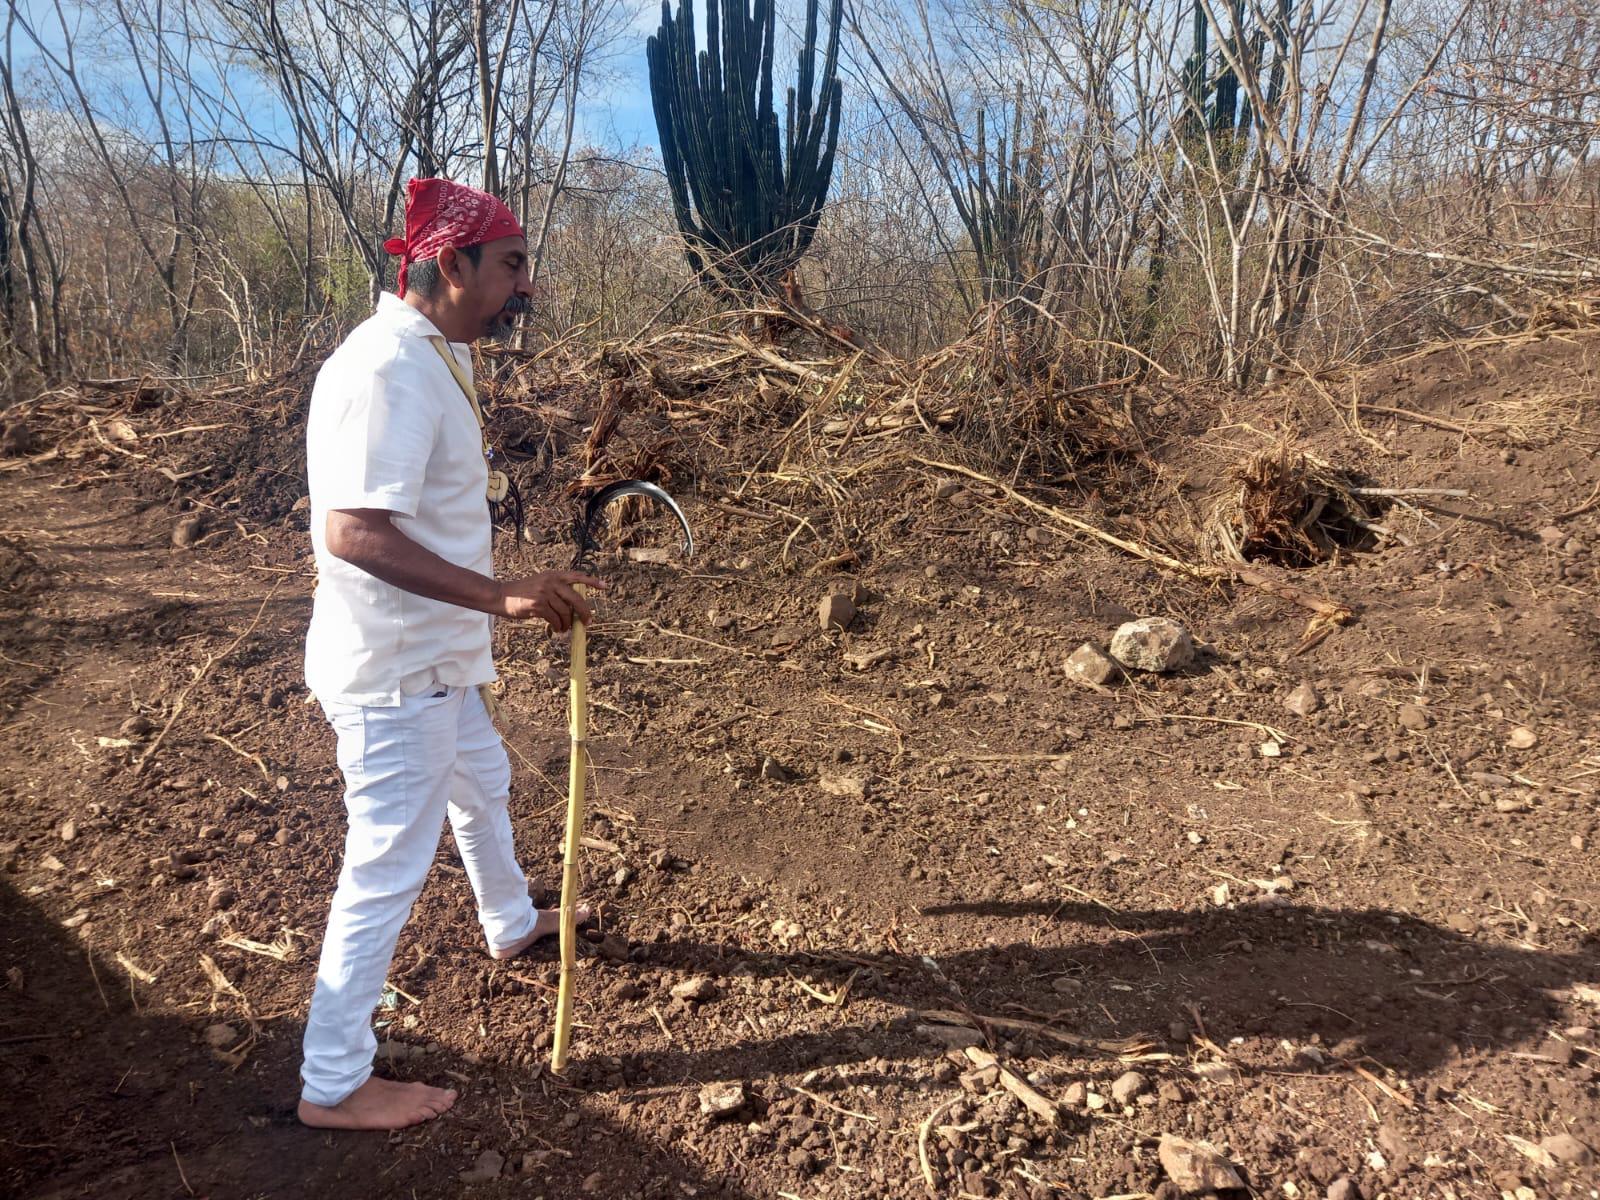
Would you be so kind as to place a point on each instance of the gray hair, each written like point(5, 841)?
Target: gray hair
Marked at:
point(424, 277)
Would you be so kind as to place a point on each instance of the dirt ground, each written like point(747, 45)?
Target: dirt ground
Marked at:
point(1354, 951)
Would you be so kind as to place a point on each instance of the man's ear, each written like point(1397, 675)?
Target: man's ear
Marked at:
point(451, 265)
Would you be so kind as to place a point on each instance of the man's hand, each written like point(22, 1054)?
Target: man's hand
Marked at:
point(550, 596)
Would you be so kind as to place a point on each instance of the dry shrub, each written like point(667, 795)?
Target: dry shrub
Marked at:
point(1022, 402)
point(1284, 506)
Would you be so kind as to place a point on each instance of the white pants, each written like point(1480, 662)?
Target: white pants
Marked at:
point(404, 769)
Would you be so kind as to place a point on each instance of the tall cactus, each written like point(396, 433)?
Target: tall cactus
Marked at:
point(1217, 103)
point(747, 194)
point(1003, 208)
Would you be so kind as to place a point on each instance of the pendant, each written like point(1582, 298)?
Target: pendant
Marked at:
point(499, 486)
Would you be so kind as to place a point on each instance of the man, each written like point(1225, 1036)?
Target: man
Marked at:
point(399, 643)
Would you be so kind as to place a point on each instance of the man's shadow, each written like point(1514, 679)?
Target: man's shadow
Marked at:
point(102, 1097)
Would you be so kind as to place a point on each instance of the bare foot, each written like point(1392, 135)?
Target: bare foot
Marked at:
point(545, 925)
point(380, 1104)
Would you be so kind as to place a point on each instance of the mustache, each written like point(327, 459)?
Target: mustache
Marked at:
point(516, 306)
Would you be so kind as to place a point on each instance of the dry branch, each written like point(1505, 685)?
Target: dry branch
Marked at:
point(1331, 611)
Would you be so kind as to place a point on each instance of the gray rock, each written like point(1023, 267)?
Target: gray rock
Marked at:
point(722, 1099)
point(486, 1169)
point(695, 989)
point(1153, 644)
point(836, 611)
point(1393, 1143)
point(1089, 664)
point(1196, 1167)
point(1413, 717)
point(1128, 1086)
point(188, 530)
point(1565, 1148)
point(220, 1037)
point(1304, 700)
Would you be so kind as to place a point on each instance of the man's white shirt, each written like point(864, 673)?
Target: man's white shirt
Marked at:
point(389, 428)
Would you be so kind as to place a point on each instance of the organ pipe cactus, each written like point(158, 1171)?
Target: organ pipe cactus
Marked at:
point(746, 191)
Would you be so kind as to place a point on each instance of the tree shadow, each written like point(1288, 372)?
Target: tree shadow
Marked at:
point(1362, 983)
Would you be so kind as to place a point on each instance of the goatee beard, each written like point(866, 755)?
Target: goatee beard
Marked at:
point(504, 323)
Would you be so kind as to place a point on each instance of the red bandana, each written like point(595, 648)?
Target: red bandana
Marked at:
point(440, 213)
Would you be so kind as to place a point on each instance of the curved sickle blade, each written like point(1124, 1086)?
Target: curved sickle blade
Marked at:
point(585, 531)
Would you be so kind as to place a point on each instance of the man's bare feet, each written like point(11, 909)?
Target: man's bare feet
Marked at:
point(380, 1104)
point(547, 924)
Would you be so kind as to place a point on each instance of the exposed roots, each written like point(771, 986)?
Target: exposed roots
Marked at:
point(1283, 506)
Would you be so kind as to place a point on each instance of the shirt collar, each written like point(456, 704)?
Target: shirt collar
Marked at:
point(403, 319)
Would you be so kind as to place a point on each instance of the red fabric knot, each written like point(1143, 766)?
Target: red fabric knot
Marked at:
point(441, 213)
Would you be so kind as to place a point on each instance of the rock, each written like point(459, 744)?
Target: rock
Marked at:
point(1304, 700)
point(1153, 644)
point(220, 1037)
point(955, 1036)
point(695, 990)
point(1552, 535)
point(836, 611)
point(946, 489)
point(775, 771)
point(1196, 1167)
point(16, 438)
point(1556, 1051)
point(1461, 923)
point(615, 948)
point(593, 1182)
point(222, 898)
point(1127, 1086)
point(722, 1099)
point(1413, 717)
point(136, 726)
point(1512, 804)
point(69, 830)
point(1075, 1096)
point(188, 530)
point(1088, 664)
point(1522, 738)
point(486, 1169)
point(1344, 1188)
point(1170, 1092)
point(1393, 1143)
point(849, 787)
point(1565, 1148)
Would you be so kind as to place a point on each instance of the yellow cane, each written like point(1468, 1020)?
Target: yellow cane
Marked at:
point(578, 770)
point(579, 724)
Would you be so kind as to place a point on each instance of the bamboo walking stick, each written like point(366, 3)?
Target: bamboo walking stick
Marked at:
point(578, 767)
point(578, 725)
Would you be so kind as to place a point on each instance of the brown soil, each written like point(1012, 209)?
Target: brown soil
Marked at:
point(1371, 955)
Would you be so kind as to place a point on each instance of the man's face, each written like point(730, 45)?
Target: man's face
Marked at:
point(497, 289)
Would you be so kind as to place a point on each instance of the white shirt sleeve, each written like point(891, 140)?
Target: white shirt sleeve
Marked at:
point(378, 446)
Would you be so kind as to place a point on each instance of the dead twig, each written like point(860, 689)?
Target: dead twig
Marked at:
point(205, 669)
point(1328, 612)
